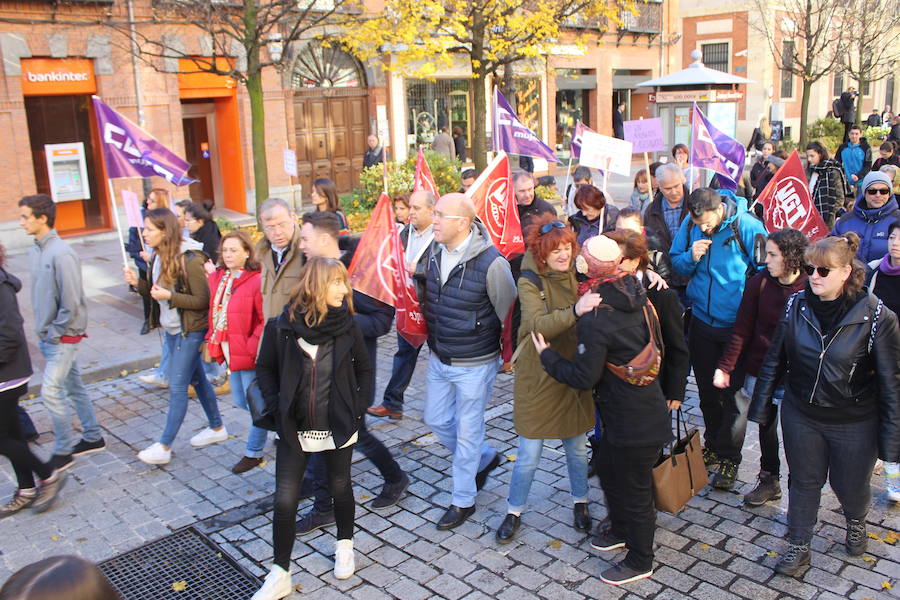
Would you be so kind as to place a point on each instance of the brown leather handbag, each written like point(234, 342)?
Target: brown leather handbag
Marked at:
point(643, 369)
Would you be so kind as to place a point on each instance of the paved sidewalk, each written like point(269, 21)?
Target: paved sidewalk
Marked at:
point(714, 549)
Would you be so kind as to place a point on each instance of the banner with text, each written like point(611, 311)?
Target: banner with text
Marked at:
point(129, 151)
point(512, 136)
point(787, 201)
point(645, 135)
point(495, 204)
point(604, 152)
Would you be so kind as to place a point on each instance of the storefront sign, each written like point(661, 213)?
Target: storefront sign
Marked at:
point(698, 96)
point(67, 170)
point(57, 76)
point(684, 96)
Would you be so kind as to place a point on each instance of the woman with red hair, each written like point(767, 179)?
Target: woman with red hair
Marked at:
point(543, 408)
point(595, 215)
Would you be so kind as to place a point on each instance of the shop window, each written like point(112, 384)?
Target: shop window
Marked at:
point(528, 103)
point(715, 56)
point(432, 105)
point(320, 67)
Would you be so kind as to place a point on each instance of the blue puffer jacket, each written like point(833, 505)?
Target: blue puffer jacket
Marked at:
point(717, 279)
point(871, 224)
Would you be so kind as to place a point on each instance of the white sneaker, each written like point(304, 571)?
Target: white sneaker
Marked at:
point(153, 378)
point(892, 481)
point(344, 563)
point(209, 436)
point(276, 585)
point(156, 454)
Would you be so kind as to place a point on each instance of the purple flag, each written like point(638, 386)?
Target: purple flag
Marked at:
point(580, 128)
point(511, 136)
point(711, 149)
point(129, 151)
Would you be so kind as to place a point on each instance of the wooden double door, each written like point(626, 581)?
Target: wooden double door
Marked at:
point(331, 133)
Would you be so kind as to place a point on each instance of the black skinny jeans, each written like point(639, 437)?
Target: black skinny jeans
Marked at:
point(372, 448)
point(12, 441)
point(724, 411)
point(626, 476)
point(841, 453)
point(289, 468)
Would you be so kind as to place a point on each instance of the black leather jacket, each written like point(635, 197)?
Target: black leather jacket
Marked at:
point(840, 373)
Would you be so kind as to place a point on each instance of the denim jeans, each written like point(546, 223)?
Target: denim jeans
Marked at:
point(626, 476)
point(61, 390)
point(724, 411)
point(185, 368)
point(289, 468)
point(404, 366)
point(455, 401)
point(841, 453)
point(162, 371)
point(372, 448)
point(768, 433)
point(256, 439)
point(527, 460)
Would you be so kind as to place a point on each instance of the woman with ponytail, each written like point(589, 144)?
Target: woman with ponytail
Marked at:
point(177, 284)
point(835, 349)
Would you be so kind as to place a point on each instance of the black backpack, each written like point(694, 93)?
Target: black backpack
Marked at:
point(836, 108)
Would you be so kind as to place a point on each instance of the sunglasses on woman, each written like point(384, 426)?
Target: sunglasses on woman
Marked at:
point(548, 227)
point(875, 191)
point(822, 271)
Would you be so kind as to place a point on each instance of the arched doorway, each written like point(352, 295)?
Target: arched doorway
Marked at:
point(330, 116)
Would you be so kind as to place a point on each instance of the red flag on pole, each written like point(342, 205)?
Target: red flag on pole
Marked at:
point(378, 270)
point(423, 178)
point(787, 201)
point(495, 205)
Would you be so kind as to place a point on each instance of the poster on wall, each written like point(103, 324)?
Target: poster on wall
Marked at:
point(67, 171)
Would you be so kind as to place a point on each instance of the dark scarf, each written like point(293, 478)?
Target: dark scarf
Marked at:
point(338, 321)
point(830, 312)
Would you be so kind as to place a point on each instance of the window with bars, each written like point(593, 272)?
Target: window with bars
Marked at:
point(787, 78)
point(715, 56)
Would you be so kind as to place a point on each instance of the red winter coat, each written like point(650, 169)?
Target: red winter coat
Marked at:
point(245, 317)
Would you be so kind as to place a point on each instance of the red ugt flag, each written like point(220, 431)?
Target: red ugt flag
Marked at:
point(787, 201)
point(495, 205)
point(378, 270)
point(423, 179)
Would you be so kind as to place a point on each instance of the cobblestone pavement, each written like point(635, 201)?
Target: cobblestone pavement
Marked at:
point(713, 549)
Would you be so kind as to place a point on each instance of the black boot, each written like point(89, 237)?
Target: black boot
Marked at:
point(793, 561)
point(582, 518)
point(508, 528)
point(767, 488)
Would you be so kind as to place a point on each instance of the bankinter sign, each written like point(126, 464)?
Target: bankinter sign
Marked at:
point(57, 76)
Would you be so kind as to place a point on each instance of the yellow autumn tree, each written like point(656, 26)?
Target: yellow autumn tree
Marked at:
point(423, 36)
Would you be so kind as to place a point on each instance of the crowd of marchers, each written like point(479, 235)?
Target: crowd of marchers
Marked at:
point(600, 322)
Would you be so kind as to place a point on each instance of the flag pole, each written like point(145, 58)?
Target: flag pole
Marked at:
point(566, 185)
point(647, 168)
point(606, 174)
point(115, 212)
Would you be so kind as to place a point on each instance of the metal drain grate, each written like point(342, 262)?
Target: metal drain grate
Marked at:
point(183, 566)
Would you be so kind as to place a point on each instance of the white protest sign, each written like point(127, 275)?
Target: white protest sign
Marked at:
point(290, 162)
point(604, 152)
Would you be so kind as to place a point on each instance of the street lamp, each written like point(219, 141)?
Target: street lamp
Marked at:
point(275, 47)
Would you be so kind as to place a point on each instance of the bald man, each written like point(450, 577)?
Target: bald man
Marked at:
point(468, 292)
